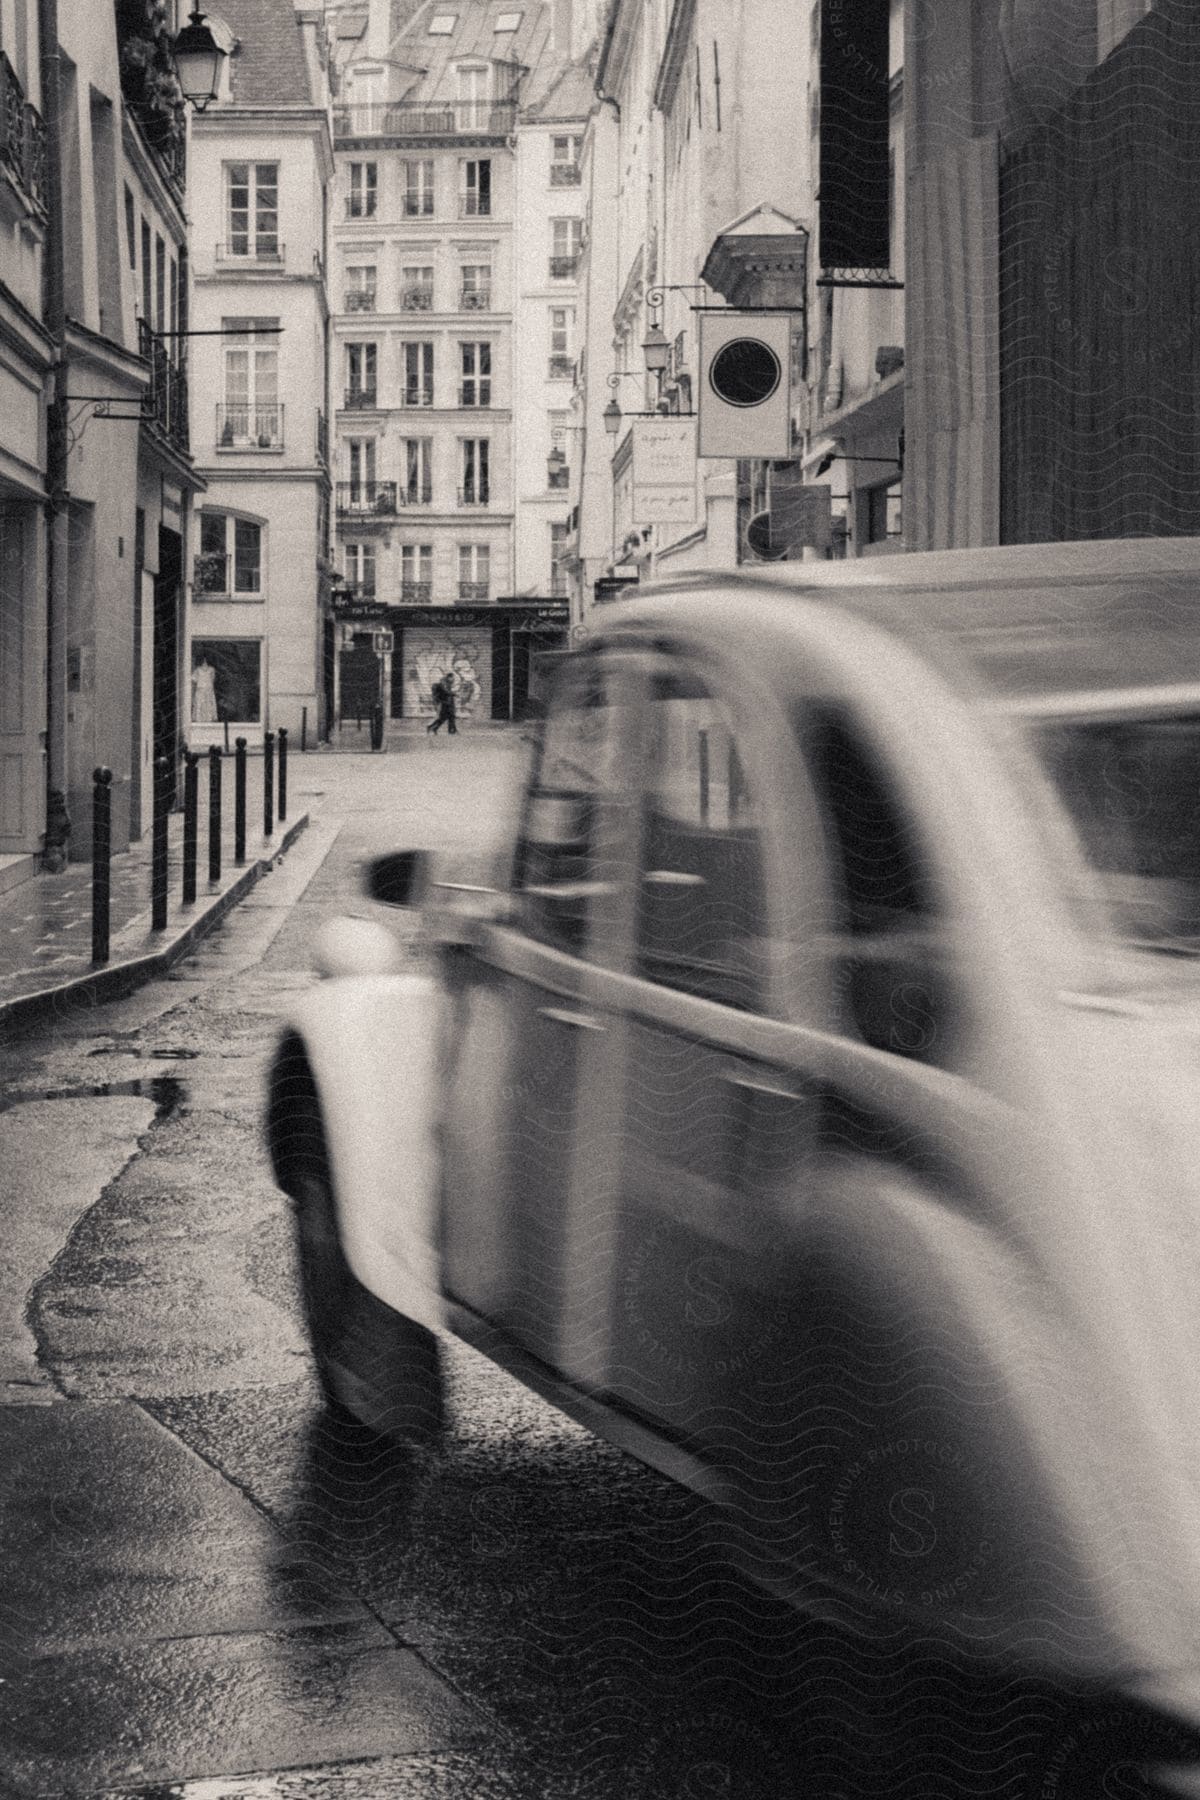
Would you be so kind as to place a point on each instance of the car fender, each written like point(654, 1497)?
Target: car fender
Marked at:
point(372, 1043)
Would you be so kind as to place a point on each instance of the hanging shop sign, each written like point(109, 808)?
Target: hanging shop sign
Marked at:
point(664, 471)
point(744, 392)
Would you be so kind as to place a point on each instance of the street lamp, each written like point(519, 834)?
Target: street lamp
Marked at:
point(656, 349)
point(612, 417)
point(198, 59)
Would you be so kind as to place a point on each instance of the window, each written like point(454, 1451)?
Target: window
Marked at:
point(418, 188)
point(359, 568)
point(892, 975)
point(147, 275)
point(360, 454)
point(474, 97)
point(226, 681)
point(564, 161)
point(251, 414)
point(418, 479)
point(360, 374)
point(416, 287)
point(416, 573)
point(360, 288)
point(476, 290)
point(883, 513)
point(442, 24)
point(230, 559)
point(566, 235)
point(571, 823)
point(558, 549)
point(475, 458)
point(131, 229)
point(507, 21)
point(476, 388)
point(477, 188)
point(561, 365)
point(252, 210)
point(173, 306)
point(701, 924)
point(418, 374)
point(360, 202)
point(474, 571)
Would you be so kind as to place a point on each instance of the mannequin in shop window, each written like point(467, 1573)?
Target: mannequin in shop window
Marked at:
point(204, 693)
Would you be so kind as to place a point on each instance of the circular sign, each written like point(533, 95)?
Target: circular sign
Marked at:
point(744, 372)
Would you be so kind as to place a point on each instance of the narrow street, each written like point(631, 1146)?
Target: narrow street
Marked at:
point(208, 1590)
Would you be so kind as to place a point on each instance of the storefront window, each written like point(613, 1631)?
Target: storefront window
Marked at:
point(226, 680)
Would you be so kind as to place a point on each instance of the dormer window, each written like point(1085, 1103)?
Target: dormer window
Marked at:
point(507, 21)
point(442, 24)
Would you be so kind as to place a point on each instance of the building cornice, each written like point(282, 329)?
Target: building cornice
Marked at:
point(22, 331)
point(103, 353)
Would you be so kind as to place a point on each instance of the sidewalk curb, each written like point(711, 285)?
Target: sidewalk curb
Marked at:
point(116, 980)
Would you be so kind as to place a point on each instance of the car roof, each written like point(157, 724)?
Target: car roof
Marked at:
point(1040, 624)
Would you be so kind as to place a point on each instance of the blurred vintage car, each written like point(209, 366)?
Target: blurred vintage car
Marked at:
point(810, 1106)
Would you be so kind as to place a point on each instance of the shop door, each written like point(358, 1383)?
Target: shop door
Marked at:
point(359, 672)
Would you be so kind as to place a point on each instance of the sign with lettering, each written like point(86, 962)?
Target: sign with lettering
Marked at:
point(664, 471)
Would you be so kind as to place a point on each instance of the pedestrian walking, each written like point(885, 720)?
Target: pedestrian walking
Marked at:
point(444, 700)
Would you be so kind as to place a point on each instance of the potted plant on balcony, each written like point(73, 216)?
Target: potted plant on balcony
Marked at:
point(148, 81)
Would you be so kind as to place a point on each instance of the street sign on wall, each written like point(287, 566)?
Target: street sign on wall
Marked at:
point(664, 471)
point(744, 397)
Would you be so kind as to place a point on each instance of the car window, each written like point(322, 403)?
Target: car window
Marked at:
point(566, 863)
point(892, 980)
point(701, 904)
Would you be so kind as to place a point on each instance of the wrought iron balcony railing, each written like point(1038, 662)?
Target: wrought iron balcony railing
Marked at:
point(416, 593)
point(562, 368)
point(563, 267)
point(473, 590)
point(263, 252)
point(359, 497)
point(565, 175)
point(360, 300)
point(22, 136)
point(474, 494)
point(416, 298)
point(360, 590)
point(165, 404)
point(418, 393)
point(476, 300)
point(250, 427)
point(474, 206)
point(360, 399)
point(420, 119)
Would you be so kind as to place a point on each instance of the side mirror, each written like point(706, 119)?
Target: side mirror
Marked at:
point(400, 878)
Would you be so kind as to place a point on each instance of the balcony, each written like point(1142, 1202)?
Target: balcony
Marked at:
point(361, 399)
point(210, 573)
point(165, 405)
point(474, 590)
point(250, 427)
point(563, 267)
point(367, 498)
point(476, 494)
point(562, 368)
point(416, 299)
point(22, 137)
point(419, 119)
point(418, 394)
point(476, 300)
point(360, 300)
point(474, 206)
point(360, 590)
point(266, 253)
point(565, 175)
point(416, 593)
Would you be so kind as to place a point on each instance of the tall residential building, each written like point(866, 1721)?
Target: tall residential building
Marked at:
point(260, 651)
point(435, 267)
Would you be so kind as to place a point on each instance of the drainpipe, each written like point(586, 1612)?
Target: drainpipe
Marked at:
point(58, 546)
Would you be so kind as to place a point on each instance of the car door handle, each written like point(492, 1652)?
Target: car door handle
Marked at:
point(676, 878)
point(562, 1015)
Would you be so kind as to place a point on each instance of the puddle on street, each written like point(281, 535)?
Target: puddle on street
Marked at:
point(167, 1092)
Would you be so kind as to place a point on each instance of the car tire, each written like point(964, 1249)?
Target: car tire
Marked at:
point(377, 1368)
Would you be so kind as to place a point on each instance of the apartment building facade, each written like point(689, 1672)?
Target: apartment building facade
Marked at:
point(260, 641)
point(427, 235)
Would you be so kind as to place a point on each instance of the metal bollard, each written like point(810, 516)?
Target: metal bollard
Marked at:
point(101, 861)
point(268, 783)
point(191, 809)
point(239, 804)
point(283, 753)
point(158, 847)
point(216, 774)
point(702, 746)
point(303, 728)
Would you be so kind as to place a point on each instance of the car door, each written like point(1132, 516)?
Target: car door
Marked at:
point(528, 1122)
point(697, 1309)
